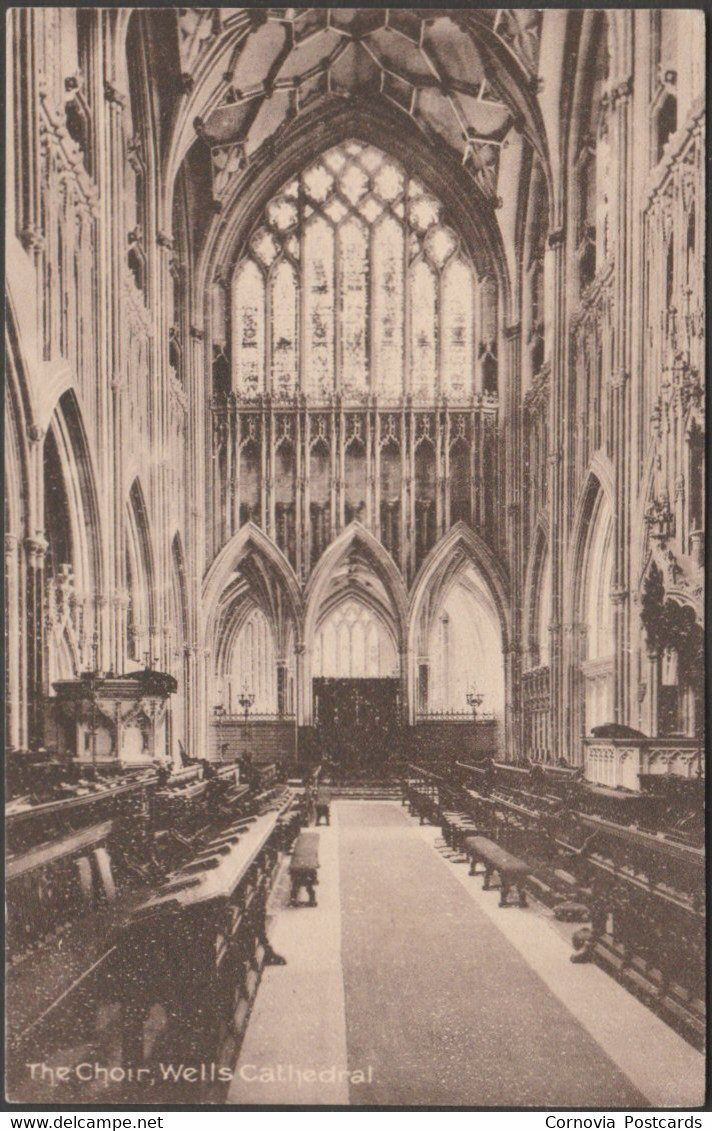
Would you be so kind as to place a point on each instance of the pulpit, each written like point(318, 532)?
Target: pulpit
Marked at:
point(110, 718)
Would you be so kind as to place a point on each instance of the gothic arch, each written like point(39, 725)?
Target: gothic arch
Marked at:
point(533, 595)
point(591, 646)
point(598, 482)
point(441, 560)
point(211, 52)
point(141, 561)
point(249, 539)
point(20, 425)
point(179, 581)
point(592, 23)
point(17, 368)
point(329, 125)
point(15, 474)
point(459, 548)
point(356, 536)
point(77, 467)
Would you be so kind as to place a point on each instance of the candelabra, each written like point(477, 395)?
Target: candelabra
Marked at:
point(474, 699)
point(246, 700)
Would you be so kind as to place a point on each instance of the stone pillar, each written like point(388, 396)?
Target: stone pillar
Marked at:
point(111, 258)
point(13, 638)
point(621, 662)
point(650, 721)
point(303, 704)
point(191, 706)
point(120, 605)
point(513, 472)
point(556, 488)
point(281, 686)
point(35, 551)
point(407, 711)
point(573, 654)
point(513, 745)
point(621, 424)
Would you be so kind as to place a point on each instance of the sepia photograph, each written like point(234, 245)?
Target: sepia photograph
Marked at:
point(354, 558)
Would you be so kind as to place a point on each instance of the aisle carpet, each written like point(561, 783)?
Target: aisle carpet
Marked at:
point(439, 1006)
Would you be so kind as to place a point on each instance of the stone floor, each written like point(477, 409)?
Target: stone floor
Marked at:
point(408, 985)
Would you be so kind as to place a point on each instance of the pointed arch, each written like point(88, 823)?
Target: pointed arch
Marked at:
point(598, 483)
point(539, 563)
point(356, 537)
point(77, 468)
point(590, 611)
point(179, 585)
point(249, 540)
point(141, 571)
point(460, 552)
point(444, 559)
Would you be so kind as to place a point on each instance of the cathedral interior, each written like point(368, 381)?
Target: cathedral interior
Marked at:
point(354, 470)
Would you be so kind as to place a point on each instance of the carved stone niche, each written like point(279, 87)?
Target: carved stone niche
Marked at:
point(117, 719)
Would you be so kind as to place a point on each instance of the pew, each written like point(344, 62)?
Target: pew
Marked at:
point(512, 871)
point(456, 827)
point(304, 867)
point(197, 946)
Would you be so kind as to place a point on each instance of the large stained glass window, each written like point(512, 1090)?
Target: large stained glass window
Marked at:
point(354, 284)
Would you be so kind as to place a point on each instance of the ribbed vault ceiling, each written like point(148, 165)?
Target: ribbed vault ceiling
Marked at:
point(429, 63)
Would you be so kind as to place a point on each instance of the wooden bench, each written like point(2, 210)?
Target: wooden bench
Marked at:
point(422, 804)
point(456, 827)
point(512, 872)
point(304, 866)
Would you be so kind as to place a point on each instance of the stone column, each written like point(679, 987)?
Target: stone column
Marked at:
point(513, 472)
point(191, 705)
point(513, 745)
point(35, 551)
point(651, 714)
point(281, 673)
point(407, 711)
point(573, 653)
point(556, 488)
point(120, 604)
point(621, 424)
point(302, 706)
point(13, 636)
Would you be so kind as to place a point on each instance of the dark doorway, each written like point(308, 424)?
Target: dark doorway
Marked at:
point(357, 725)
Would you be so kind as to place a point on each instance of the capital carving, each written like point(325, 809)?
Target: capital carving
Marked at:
point(36, 548)
point(11, 544)
point(622, 91)
point(35, 433)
